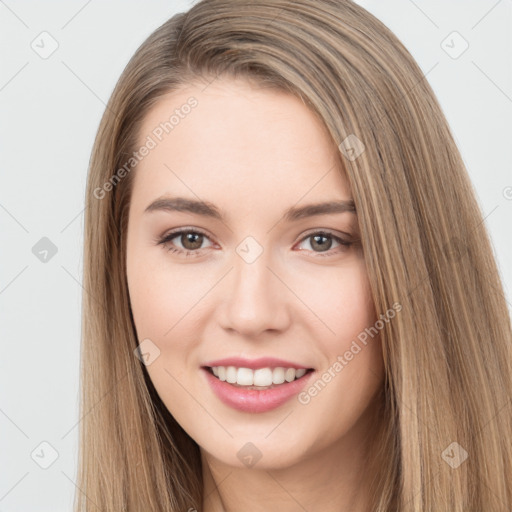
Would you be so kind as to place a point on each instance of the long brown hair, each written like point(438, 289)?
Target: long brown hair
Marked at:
point(448, 417)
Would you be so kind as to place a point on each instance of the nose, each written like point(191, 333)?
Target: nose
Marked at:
point(257, 299)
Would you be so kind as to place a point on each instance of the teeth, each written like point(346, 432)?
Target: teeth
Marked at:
point(260, 377)
point(231, 374)
point(247, 377)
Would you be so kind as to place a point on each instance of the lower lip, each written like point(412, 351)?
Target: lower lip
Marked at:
point(254, 400)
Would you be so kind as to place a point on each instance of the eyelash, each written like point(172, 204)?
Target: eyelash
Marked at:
point(188, 253)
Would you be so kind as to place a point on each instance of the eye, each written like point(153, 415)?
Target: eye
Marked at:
point(191, 241)
point(323, 241)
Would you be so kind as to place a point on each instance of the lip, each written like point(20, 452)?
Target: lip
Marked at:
point(254, 364)
point(254, 400)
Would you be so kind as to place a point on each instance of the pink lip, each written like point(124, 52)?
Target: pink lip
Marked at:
point(254, 364)
point(253, 400)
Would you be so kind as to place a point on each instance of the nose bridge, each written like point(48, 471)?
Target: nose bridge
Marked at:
point(256, 300)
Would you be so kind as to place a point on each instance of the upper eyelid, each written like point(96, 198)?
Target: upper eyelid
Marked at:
point(174, 233)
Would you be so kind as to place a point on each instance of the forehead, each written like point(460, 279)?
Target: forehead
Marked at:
point(237, 143)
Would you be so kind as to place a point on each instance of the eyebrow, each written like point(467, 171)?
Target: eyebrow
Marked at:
point(182, 204)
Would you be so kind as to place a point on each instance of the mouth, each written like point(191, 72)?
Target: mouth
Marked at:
point(245, 378)
point(280, 386)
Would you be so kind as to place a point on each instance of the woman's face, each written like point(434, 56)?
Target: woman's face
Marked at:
point(245, 279)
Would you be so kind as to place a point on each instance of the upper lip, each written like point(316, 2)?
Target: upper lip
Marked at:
point(254, 364)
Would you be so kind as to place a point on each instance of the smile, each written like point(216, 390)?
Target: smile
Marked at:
point(262, 378)
point(256, 399)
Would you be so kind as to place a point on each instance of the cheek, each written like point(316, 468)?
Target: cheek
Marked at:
point(164, 307)
point(352, 370)
point(167, 309)
point(345, 306)
point(161, 296)
point(343, 301)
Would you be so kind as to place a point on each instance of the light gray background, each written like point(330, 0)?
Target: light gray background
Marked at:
point(50, 110)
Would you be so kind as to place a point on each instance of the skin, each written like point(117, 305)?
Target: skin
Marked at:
point(254, 153)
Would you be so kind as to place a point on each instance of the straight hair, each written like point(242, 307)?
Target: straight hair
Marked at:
point(447, 388)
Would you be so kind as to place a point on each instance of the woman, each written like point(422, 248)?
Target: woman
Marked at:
point(292, 301)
